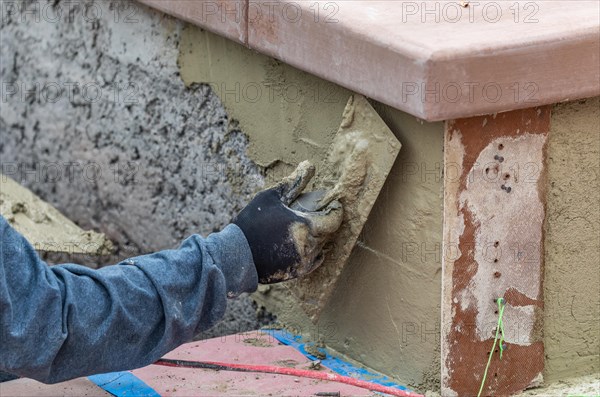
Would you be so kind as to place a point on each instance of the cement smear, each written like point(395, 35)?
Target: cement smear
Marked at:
point(282, 109)
point(572, 244)
point(359, 160)
point(44, 226)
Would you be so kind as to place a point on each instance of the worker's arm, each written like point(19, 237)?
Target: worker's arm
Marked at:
point(66, 321)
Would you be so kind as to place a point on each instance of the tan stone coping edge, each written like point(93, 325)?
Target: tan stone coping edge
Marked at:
point(437, 60)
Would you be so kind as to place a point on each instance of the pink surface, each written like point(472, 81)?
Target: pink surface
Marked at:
point(249, 348)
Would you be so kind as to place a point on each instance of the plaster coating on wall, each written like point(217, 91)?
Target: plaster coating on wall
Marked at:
point(384, 311)
point(572, 248)
point(282, 109)
point(150, 161)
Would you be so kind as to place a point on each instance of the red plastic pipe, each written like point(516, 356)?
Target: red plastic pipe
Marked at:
point(302, 373)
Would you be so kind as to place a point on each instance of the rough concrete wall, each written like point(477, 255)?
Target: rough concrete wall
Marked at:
point(111, 136)
point(385, 310)
point(572, 279)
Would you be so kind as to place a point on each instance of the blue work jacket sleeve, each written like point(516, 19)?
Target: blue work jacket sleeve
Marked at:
point(66, 321)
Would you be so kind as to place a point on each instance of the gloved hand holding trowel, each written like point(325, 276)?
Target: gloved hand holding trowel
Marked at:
point(130, 315)
point(288, 242)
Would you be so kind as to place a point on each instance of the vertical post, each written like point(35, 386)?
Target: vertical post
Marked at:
point(494, 208)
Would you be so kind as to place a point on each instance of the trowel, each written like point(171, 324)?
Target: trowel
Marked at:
point(358, 162)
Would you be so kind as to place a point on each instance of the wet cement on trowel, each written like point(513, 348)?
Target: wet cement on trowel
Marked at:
point(44, 226)
point(359, 160)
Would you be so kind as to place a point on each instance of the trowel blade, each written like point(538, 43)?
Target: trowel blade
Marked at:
point(309, 201)
point(359, 161)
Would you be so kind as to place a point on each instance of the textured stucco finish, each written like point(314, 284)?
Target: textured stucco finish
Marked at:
point(156, 163)
point(572, 276)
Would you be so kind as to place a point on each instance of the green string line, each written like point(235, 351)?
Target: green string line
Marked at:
point(499, 330)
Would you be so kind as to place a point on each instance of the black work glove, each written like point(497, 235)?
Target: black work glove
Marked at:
point(286, 243)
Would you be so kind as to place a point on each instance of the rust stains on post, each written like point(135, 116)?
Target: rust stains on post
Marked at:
point(494, 207)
